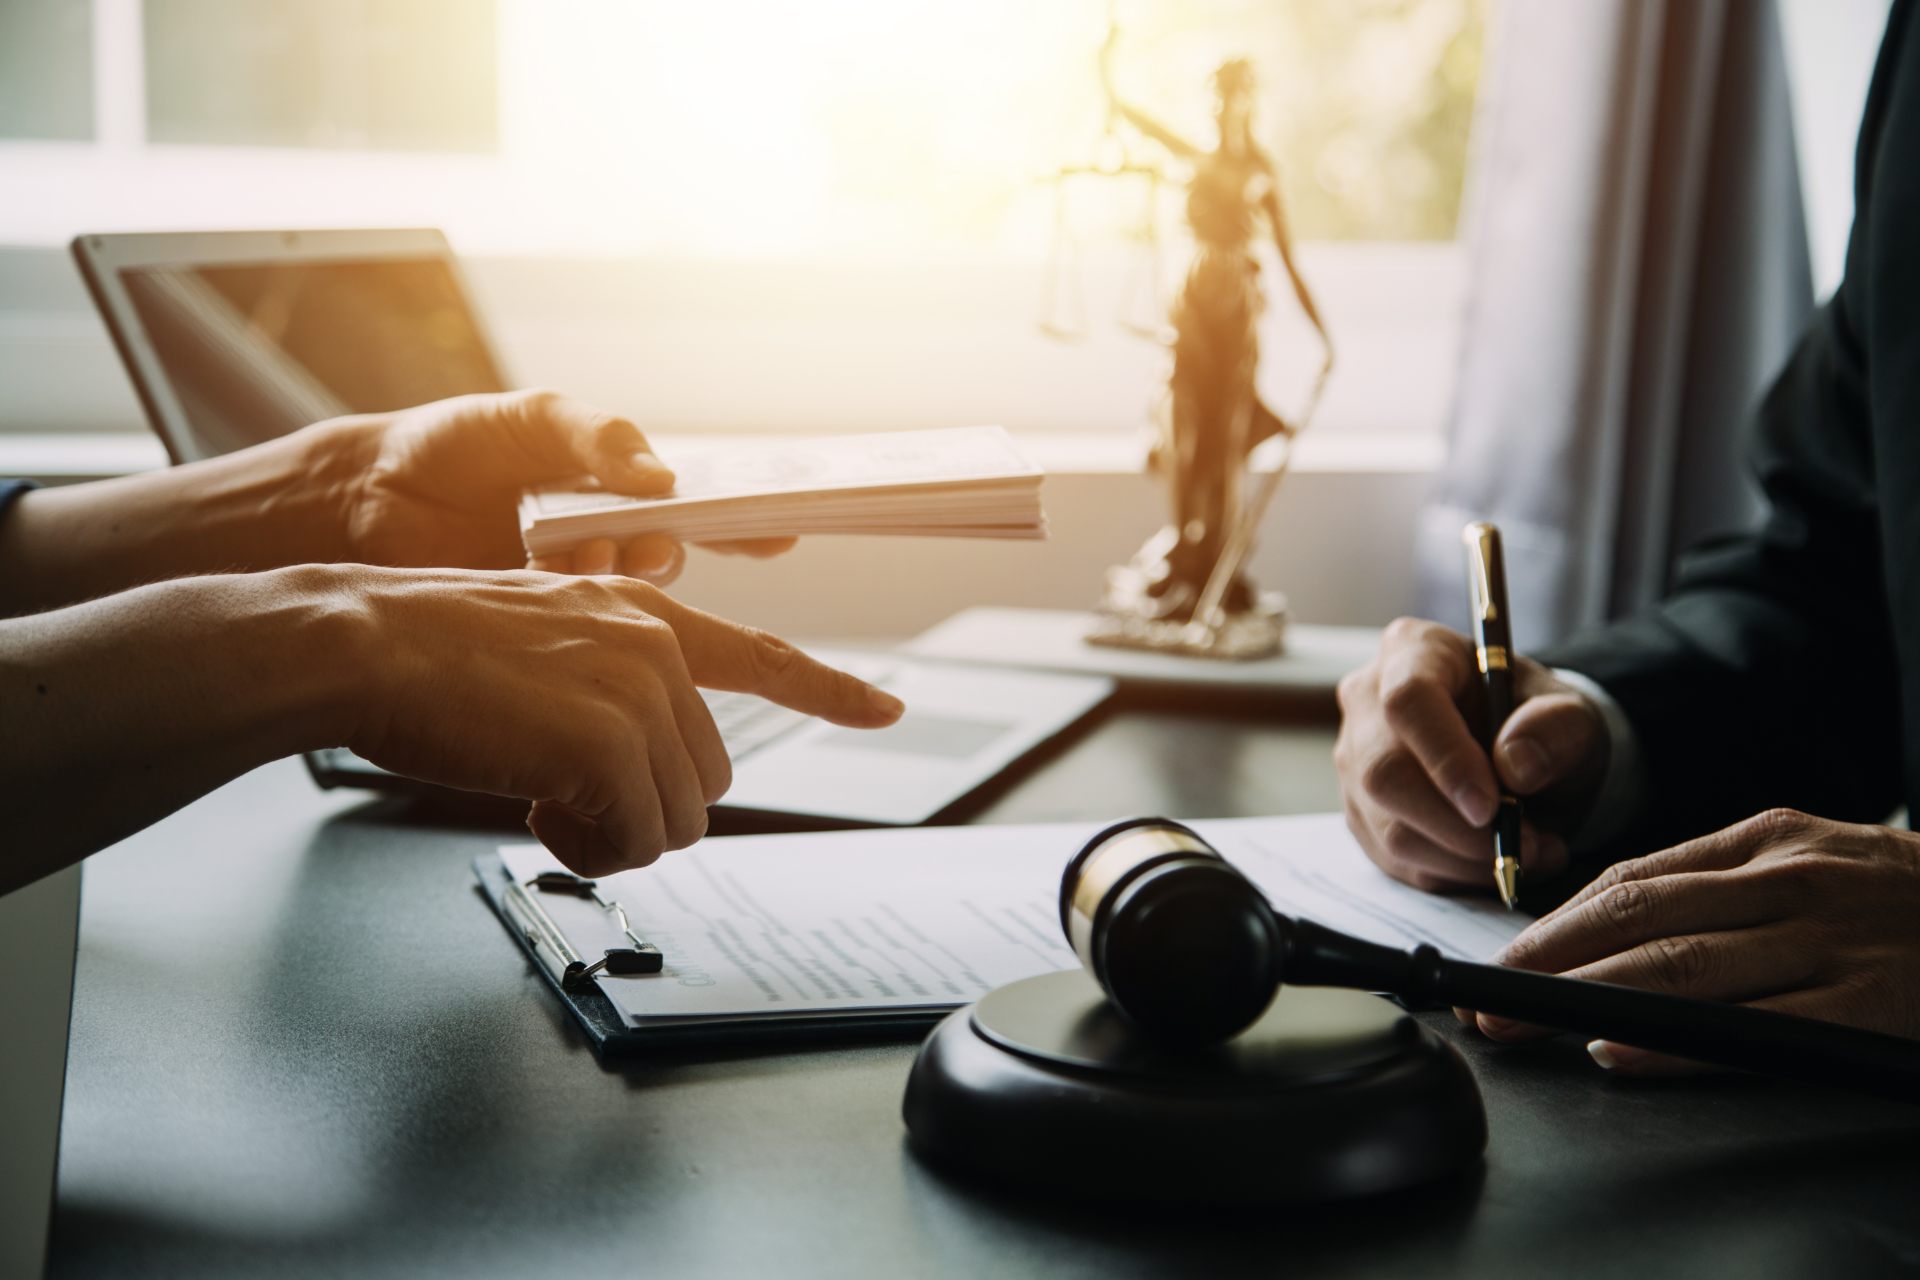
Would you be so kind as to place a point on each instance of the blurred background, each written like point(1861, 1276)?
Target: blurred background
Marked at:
point(751, 216)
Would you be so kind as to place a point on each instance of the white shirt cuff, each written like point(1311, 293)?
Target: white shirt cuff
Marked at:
point(1623, 792)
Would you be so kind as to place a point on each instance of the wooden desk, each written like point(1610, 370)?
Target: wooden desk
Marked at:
point(302, 1046)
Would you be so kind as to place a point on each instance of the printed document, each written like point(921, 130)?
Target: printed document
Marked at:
point(932, 918)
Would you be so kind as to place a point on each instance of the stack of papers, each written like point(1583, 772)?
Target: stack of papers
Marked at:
point(966, 482)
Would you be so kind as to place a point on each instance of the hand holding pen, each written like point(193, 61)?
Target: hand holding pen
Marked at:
point(1419, 785)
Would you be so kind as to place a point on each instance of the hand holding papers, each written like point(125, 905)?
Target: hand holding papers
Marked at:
point(958, 482)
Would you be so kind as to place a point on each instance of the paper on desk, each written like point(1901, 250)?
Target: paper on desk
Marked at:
point(935, 917)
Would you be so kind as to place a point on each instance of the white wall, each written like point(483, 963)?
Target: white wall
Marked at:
point(712, 348)
point(732, 346)
point(679, 347)
point(1337, 543)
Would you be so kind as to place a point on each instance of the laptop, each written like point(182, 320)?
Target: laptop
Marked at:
point(232, 338)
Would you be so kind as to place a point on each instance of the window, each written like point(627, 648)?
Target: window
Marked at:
point(46, 69)
point(374, 74)
point(792, 213)
point(848, 127)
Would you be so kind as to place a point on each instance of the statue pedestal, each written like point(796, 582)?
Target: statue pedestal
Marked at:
point(1127, 620)
point(1055, 640)
point(1242, 637)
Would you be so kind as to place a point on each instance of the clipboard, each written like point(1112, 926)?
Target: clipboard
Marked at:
point(857, 935)
point(571, 935)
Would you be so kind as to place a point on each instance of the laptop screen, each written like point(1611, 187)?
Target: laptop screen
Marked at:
point(257, 350)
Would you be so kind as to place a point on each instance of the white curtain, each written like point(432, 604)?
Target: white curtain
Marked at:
point(1639, 272)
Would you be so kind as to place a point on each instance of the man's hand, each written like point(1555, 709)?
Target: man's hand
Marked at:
point(1418, 785)
point(439, 485)
point(575, 693)
point(434, 487)
point(1783, 911)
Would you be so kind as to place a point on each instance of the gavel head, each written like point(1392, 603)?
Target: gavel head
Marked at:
point(1182, 943)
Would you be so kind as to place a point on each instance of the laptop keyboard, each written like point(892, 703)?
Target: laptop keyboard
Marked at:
point(748, 722)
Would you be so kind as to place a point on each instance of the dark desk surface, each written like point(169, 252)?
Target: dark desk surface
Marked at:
point(303, 1045)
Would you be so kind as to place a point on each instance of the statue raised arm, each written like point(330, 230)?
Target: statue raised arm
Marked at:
point(1140, 120)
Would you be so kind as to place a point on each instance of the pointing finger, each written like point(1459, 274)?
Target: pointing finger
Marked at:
point(726, 655)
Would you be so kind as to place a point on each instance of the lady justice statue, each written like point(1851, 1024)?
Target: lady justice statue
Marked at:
point(1185, 590)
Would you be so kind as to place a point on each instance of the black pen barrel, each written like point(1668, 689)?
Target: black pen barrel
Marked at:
point(1726, 1035)
point(1499, 693)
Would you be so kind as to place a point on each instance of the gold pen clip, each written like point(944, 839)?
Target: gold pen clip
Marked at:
point(1481, 540)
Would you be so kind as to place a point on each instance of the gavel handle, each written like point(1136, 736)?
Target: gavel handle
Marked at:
point(1727, 1035)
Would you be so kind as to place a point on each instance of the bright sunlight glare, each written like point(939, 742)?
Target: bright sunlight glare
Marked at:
point(755, 127)
point(793, 130)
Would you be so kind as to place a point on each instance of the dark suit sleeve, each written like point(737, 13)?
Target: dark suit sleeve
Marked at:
point(1769, 674)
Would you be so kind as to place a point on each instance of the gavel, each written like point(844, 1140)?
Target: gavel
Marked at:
point(1191, 952)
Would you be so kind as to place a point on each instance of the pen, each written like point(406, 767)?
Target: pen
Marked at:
point(1493, 651)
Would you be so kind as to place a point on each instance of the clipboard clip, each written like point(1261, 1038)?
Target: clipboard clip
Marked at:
point(569, 968)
